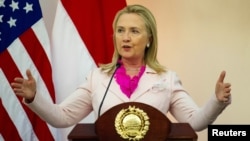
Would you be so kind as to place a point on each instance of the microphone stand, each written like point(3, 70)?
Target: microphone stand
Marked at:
point(117, 66)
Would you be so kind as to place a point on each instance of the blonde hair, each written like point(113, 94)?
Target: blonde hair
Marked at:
point(150, 57)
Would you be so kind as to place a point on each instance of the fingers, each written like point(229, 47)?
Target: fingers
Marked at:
point(18, 80)
point(18, 91)
point(227, 85)
point(222, 76)
point(16, 85)
point(223, 90)
point(227, 94)
point(25, 88)
point(29, 75)
point(227, 90)
point(17, 88)
point(226, 99)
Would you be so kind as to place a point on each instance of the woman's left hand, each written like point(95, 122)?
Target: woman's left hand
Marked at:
point(222, 90)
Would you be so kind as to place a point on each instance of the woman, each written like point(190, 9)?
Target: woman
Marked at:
point(135, 76)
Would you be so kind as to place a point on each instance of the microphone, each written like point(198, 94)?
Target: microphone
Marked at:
point(117, 66)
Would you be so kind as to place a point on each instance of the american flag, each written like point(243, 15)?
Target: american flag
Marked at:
point(24, 44)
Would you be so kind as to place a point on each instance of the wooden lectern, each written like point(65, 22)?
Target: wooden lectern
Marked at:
point(133, 121)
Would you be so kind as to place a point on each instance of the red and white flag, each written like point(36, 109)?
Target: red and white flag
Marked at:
point(24, 44)
point(82, 37)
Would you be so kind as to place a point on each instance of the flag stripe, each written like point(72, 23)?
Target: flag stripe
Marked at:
point(7, 126)
point(39, 57)
point(95, 25)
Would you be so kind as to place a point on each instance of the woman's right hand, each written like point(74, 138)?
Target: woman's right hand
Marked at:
point(25, 88)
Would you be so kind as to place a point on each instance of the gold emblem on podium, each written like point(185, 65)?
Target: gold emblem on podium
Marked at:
point(132, 123)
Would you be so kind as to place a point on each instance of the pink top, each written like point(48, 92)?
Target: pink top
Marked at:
point(127, 84)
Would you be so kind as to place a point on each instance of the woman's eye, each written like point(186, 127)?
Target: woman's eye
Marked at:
point(135, 31)
point(119, 30)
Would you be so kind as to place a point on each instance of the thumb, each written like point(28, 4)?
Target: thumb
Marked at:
point(29, 75)
point(222, 76)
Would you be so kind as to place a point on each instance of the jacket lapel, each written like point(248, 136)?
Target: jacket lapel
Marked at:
point(115, 89)
point(147, 81)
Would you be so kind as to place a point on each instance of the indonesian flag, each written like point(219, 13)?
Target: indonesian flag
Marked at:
point(82, 38)
point(24, 44)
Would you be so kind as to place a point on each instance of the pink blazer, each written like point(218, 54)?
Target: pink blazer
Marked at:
point(163, 92)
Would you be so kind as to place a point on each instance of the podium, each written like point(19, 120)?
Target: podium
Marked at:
point(132, 121)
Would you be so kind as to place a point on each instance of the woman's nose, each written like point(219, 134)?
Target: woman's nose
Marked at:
point(126, 36)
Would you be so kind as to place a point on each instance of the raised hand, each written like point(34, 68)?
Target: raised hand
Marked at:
point(25, 88)
point(222, 90)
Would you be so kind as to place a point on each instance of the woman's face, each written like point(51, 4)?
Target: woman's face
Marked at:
point(131, 36)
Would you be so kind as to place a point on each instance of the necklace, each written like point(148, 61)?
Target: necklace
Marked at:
point(133, 69)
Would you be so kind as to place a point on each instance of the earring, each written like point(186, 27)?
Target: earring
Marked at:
point(147, 45)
